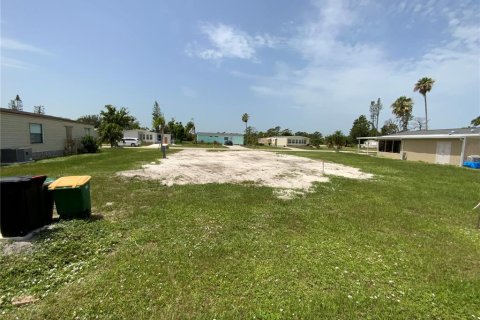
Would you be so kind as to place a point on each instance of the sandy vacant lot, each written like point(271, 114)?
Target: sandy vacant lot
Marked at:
point(290, 175)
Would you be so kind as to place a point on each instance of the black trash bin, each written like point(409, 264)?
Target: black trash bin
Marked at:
point(47, 202)
point(35, 202)
point(21, 205)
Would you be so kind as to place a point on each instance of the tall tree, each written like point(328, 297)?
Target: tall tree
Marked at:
point(158, 121)
point(170, 127)
point(190, 130)
point(423, 86)
point(179, 132)
point(337, 140)
point(252, 135)
point(40, 109)
point(402, 109)
point(418, 123)
point(389, 127)
point(113, 122)
point(475, 122)
point(372, 113)
point(156, 114)
point(360, 128)
point(375, 108)
point(273, 132)
point(93, 119)
point(133, 125)
point(245, 118)
point(301, 134)
point(316, 138)
point(16, 104)
point(286, 132)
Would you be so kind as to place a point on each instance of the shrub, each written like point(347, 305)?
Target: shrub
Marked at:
point(90, 144)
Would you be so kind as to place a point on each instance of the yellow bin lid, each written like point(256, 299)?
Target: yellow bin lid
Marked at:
point(69, 182)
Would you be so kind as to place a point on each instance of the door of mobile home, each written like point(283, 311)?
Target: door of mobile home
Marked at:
point(443, 152)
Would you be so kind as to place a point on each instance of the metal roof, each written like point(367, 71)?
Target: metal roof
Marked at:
point(39, 115)
point(430, 134)
point(461, 131)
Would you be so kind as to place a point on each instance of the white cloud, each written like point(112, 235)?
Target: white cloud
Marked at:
point(470, 35)
point(229, 42)
point(340, 78)
point(342, 73)
point(14, 45)
point(14, 63)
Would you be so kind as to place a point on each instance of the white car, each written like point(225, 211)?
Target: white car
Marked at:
point(129, 142)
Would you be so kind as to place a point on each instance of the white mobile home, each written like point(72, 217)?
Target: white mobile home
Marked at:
point(46, 136)
point(148, 136)
point(442, 146)
point(284, 141)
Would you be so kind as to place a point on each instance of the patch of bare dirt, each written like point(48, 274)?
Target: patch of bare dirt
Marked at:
point(292, 175)
point(17, 247)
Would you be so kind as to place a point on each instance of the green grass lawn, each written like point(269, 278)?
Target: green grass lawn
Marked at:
point(402, 245)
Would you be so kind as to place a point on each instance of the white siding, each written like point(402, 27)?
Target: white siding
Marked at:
point(283, 141)
point(15, 132)
point(144, 135)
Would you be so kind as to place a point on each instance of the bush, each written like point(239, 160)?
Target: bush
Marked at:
point(90, 144)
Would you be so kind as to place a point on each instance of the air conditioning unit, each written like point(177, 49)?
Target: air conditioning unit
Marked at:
point(24, 155)
point(16, 155)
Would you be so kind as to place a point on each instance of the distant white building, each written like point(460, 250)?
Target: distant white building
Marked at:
point(369, 144)
point(283, 141)
point(148, 136)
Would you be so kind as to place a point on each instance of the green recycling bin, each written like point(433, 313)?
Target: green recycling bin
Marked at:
point(72, 196)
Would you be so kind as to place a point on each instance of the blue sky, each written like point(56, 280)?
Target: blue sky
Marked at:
point(304, 65)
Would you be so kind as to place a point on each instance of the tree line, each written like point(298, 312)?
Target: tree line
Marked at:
point(252, 135)
point(113, 121)
point(402, 110)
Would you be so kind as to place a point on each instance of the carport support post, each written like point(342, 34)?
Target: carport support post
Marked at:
point(462, 154)
point(401, 150)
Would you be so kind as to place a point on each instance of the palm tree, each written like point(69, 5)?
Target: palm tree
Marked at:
point(402, 109)
point(245, 118)
point(423, 86)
